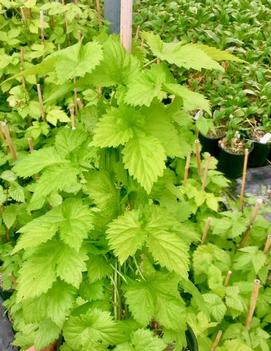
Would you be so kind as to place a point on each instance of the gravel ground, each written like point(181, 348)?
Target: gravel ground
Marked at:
point(6, 334)
point(258, 183)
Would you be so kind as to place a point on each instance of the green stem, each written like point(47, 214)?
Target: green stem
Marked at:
point(115, 300)
point(150, 62)
point(116, 281)
point(138, 268)
point(118, 272)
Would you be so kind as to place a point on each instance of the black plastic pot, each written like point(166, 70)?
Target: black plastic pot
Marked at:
point(192, 343)
point(210, 144)
point(231, 164)
point(259, 154)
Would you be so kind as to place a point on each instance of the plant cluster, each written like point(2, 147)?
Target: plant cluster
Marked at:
point(240, 97)
point(115, 234)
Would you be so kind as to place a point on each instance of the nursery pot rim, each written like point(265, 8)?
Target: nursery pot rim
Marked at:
point(234, 153)
point(212, 137)
point(268, 144)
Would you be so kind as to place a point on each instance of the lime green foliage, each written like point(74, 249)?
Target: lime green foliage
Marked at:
point(100, 235)
point(239, 97)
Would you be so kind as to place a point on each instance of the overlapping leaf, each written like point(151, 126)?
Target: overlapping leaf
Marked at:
point(129, 232)
point(187, 56)
point(39, 230)
point(37, 161)
point(144, 157)
point(148, 85)
point(159, 124)
point(54, 305)
point(117, 127)
point(117, 66)
point(157, 299)
point(49, 261)
point(126, 235)
point(96, 326)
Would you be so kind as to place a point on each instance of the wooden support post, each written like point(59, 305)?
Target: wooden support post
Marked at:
point(7, 136)
point(244, 179)
point(2, 135)
point(228, 277)
point(66, 24)
point(73, 117)
point(255, 211)
point(79, 103)
point(206, 230)
point(22, 52)
point(252, 220)
point(253, 302)
point(23, 14)
point(30, 145)
point(98, 8)
point(217, 340)
point(137, 33)
point(42, 26)
point(126, 20)
point(186, 169)
point(206, 170)
point(42, 111)
point(51, 347)
point(75, 96)
point(267, 246)
point(197, 152)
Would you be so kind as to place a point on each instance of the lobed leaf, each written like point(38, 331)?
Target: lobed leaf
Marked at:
point(144, 157)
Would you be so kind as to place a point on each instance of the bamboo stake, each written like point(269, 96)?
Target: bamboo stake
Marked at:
point(2, 135)
point(197, 151)
point(228, 277)
point(42, 111)
point(66, 24)
point(51, 347)
point(52, 22)
point(73, 117)
point(79, 35)
point(126, 20)
point(137, 33)
point(7, 136)
point(217, 340)
point(255, 211)
point(23, 14)
point(206, 230)
point(98, 8)
point(30, 144)
point(253, 302)
point(206, 170)
point(42, 26)
point(243, 187)
point(142, 43)
point(80, 104)
point(186, 169)
point(267, 246)
point(22, 52)
point(252, 220)
point(75, 97)
point(13, 280)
